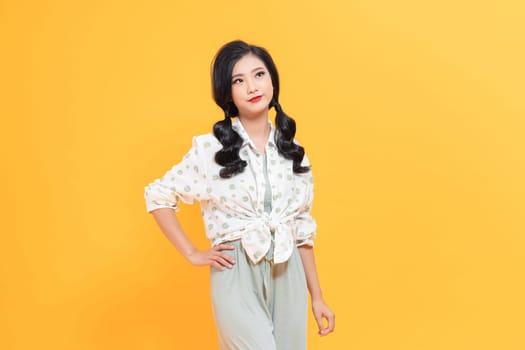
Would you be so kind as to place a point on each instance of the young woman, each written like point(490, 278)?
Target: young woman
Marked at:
point(254, 184)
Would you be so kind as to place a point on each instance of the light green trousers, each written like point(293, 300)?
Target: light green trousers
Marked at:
point(261, 306)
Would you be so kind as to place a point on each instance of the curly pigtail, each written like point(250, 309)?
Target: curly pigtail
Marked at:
point(284, 139)
point(231, 142)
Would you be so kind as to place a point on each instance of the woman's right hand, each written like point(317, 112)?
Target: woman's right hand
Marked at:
point(213, 257)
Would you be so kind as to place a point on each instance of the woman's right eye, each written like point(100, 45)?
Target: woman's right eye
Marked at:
point(237, 81)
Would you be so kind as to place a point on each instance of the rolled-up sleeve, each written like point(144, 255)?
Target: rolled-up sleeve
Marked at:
point(306, 226)
point(185, 181)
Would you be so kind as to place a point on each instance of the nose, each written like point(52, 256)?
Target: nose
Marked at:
point(250, 86)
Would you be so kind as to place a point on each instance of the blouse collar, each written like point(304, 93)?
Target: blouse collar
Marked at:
point(237, 126)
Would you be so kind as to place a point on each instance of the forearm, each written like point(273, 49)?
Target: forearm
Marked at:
point(310, 270)
point(170, 226)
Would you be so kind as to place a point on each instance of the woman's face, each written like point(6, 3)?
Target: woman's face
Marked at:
point(252, 88)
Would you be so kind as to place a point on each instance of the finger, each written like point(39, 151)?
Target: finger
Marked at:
point(330, 327)
point(224, 247)
point(323, 331)
point(217, 252)
point(331, 323)
point(319, 320)
point(230, 259)
point(223, 262)
point(217, 265)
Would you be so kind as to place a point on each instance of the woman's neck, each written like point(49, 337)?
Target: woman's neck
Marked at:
point(258, 130)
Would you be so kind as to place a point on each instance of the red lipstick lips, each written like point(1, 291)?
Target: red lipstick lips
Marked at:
point(255, 99)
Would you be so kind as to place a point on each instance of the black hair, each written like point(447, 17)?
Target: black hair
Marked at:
point(231, 141)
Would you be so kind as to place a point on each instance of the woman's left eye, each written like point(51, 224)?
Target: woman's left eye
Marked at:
point(259, 74)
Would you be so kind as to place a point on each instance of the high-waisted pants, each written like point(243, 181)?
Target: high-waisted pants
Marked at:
point(261, 306)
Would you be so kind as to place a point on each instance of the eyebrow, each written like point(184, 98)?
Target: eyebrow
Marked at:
point(253, 70)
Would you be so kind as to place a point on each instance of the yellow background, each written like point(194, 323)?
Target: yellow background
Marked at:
point(412, 113)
